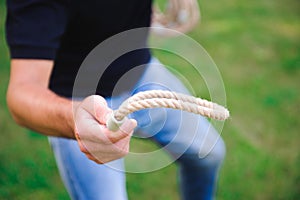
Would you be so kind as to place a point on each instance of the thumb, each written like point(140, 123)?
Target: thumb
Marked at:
point(125, 130)
point(128, 126)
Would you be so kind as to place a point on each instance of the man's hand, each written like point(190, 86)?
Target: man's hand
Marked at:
point(95, 140)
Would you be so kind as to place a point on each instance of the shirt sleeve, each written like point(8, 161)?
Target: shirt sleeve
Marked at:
point(34, 27)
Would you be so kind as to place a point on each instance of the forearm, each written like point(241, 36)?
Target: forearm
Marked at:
point(39, 109)
point(33, 105)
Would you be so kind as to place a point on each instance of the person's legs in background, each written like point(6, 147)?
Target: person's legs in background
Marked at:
point(189, 138)
point(84, 179)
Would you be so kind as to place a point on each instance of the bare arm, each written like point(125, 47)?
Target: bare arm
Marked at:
point(33, 105)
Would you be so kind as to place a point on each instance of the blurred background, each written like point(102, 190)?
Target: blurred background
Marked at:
point(256, 45)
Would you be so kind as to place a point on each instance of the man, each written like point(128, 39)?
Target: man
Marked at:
point(48, 42)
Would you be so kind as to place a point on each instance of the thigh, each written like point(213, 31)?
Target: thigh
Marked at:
point(177, 131)
point(83, 178)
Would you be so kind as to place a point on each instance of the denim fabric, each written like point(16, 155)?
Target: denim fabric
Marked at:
point(188, 138)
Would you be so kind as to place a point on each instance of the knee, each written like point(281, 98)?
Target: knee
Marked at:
point(207, 155)
point(216, 154)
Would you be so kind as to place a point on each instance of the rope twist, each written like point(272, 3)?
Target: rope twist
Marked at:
point(166, 99)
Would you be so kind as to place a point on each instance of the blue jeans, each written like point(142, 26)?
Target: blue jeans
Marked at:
point(180, 134)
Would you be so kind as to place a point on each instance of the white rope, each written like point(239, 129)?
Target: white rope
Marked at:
point(179, 15)
point(166, 99)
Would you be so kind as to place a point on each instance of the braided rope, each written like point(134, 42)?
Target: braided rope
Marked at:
point(167, 99)
point(180, 15)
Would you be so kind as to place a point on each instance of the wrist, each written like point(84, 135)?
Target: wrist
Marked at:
point(72, 125)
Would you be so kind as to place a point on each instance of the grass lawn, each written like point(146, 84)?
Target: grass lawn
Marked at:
point(256, 45)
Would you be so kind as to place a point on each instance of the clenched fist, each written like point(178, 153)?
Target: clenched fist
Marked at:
point(95, 140)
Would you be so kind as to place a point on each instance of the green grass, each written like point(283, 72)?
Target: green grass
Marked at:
point(256, 46)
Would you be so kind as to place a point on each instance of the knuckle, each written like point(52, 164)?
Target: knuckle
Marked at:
point(91, 157)
point(124, 152)
point(99, 161)
point(83, 149)
point(81, 146)
point(116, 137)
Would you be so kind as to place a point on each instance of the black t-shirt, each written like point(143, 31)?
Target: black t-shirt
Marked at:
point(66, 31)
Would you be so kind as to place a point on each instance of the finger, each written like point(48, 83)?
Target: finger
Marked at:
point(115, 152)
point(101, 109)
point(125, 130)
point(105, 153)
point(90, 130)
point(123, 145)
point(96, 106)
point(91, 157)
point(128, 126)
point(81, 145)
point(85, 150)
